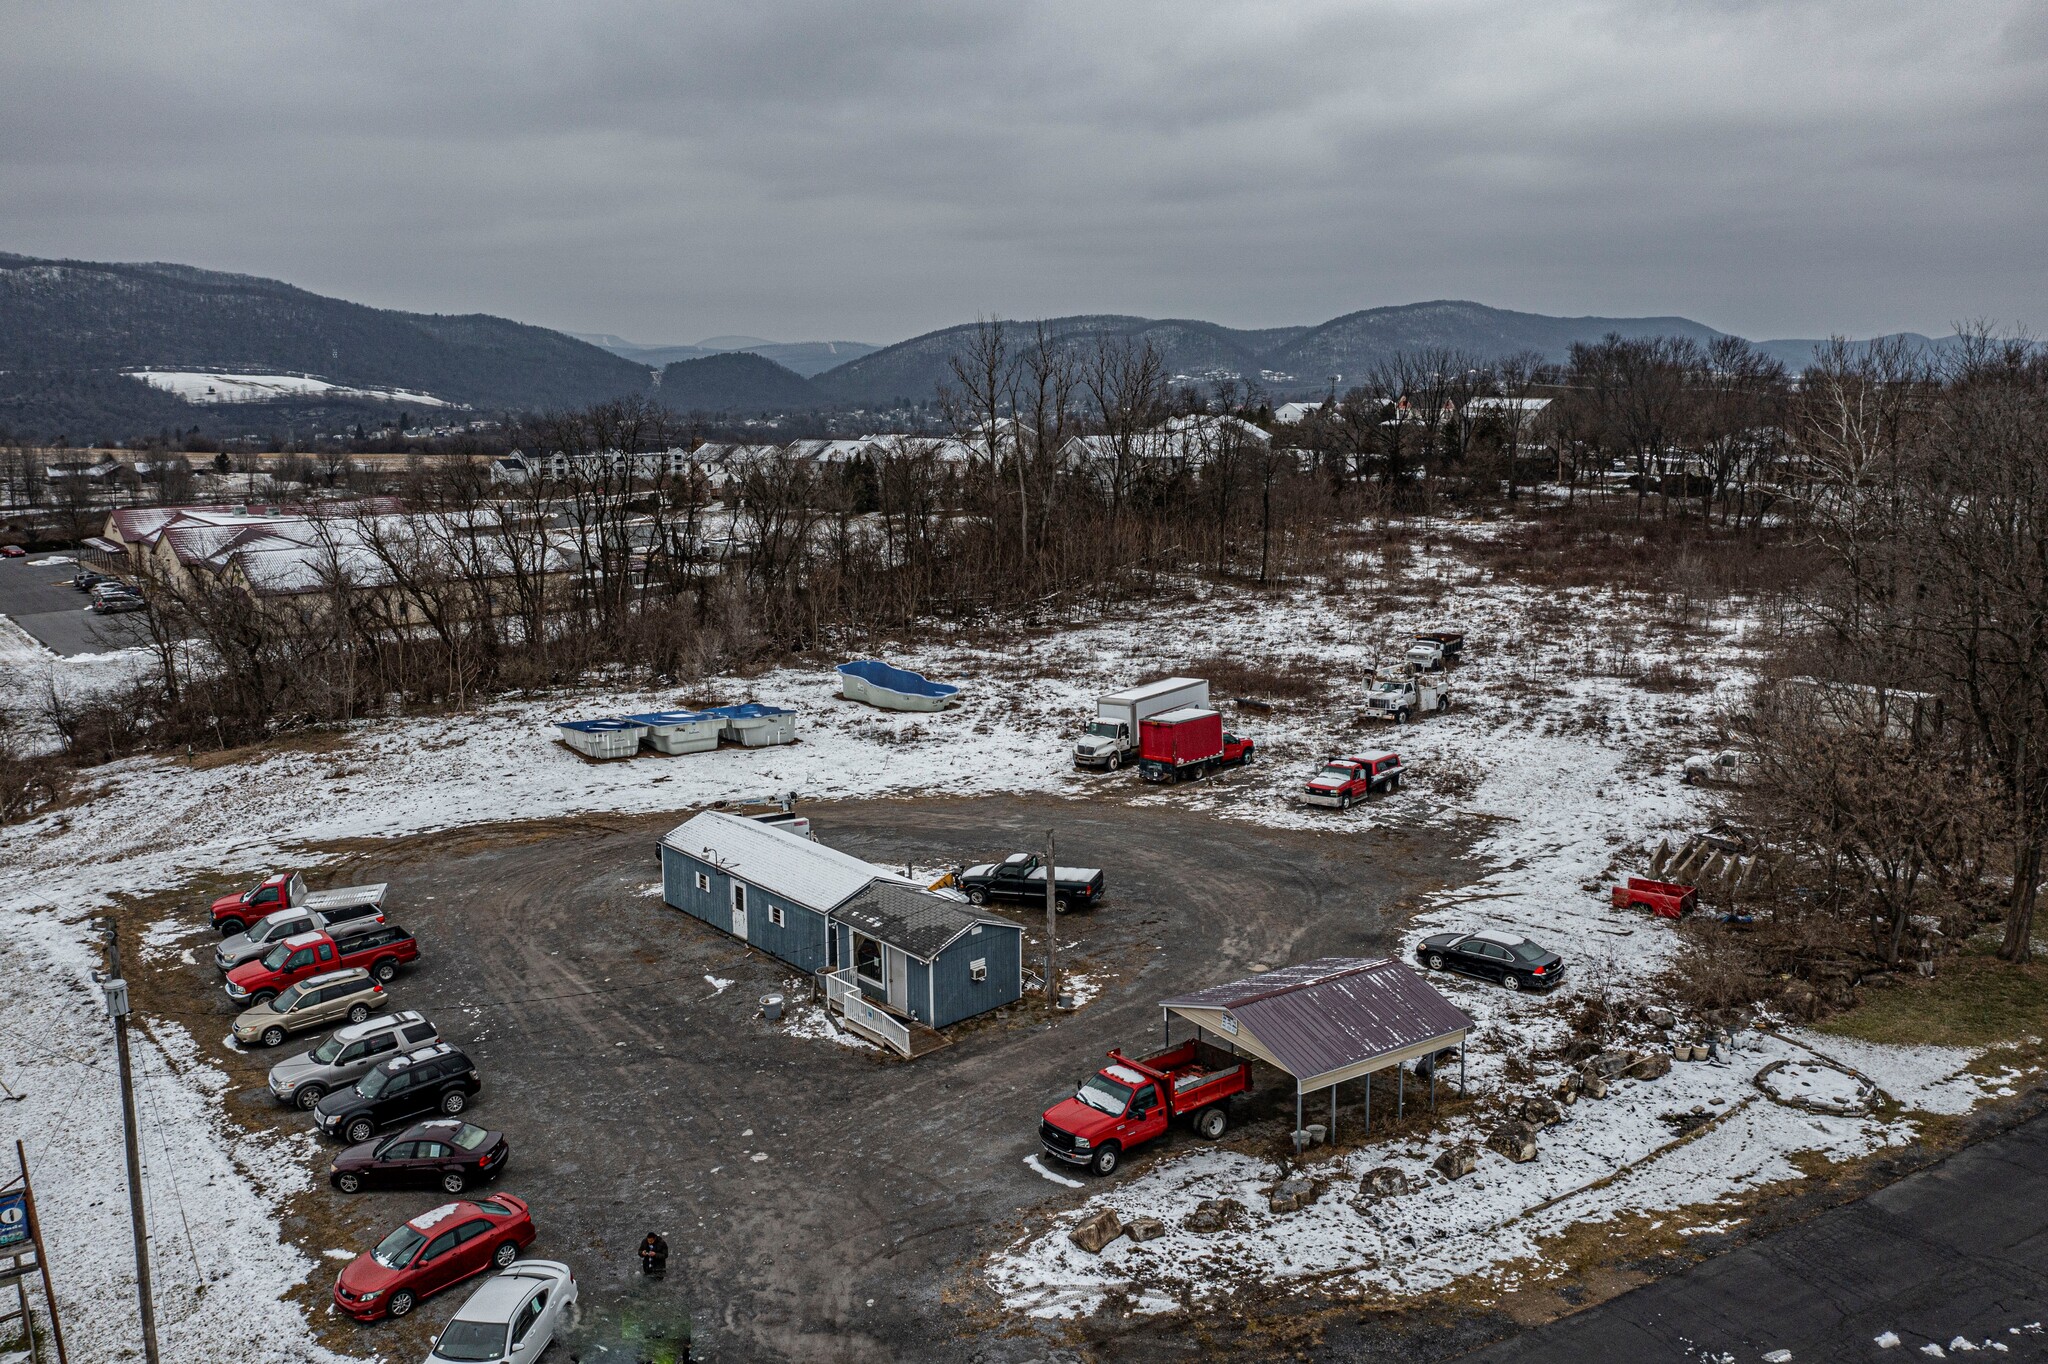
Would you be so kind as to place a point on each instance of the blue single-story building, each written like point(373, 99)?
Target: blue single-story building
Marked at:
point(925, 956)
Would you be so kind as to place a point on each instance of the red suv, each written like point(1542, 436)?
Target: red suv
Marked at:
point(436, 1249)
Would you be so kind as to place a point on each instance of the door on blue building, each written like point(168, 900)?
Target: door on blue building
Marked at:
point(739, 911)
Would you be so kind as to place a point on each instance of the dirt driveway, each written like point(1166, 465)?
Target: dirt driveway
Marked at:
point(822, 1203)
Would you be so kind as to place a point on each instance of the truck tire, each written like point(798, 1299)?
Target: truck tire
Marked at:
point(1211, 1122)
point(261, 998)
point(1116, 760)
point(977, 896)
point(385, 971)
point(227, 928)
point(1395, 784)
point(1061, 904)
point(1105, 1159)
point(308, 1096)
point(1344, 802)
point(1401, 716)
point(1445, 704)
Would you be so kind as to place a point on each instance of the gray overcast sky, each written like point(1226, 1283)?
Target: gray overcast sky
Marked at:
point(869, 169)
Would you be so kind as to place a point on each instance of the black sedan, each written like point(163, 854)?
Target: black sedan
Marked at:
point(1489, 954)
point(446, 1153)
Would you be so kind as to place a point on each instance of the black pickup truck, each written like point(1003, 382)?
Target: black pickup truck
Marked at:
point(1021, 876)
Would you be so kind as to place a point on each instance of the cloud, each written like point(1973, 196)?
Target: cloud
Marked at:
point(866, 171)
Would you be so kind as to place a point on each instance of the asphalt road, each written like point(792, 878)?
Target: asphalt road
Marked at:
point(38, 596)
point(1958, 1250)
point(822, 1203)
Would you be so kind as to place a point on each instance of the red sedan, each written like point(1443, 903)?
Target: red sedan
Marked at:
point(438, 1248)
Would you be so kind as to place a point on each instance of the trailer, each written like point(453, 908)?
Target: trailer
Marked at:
point(1665, 899)
point(1190, 742)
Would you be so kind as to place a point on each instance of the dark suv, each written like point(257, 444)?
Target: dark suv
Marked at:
point(435, 1079)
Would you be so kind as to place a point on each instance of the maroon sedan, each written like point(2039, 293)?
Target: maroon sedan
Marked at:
point(446, 1153)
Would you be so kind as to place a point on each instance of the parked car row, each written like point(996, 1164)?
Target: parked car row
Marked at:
point(389, 1087)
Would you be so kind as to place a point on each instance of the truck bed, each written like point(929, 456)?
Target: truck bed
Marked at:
point(343, 896)
point(1193, 1075)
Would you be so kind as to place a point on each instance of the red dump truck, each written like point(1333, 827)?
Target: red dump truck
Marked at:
point(1665, 899)
point(1130, 1102)
point(1189, 742)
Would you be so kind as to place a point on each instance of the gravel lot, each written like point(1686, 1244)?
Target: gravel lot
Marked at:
point(822, 1202)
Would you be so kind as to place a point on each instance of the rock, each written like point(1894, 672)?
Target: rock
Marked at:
point(1579, 1050)
point(1144, 1228)
point(1592, 1084)
point(1655, 1066)
point(1387, 1181)
point(1538, 1111)
point(1093, 1233)
point(1609, 1064)
point(1570, 1096)
point(1213, 1214)
point(1291, 1194)
point(1457, 1161)
point(1659, 1018)
point(1515, 1140)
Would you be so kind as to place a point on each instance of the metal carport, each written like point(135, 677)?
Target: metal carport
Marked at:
point(1330, 1020)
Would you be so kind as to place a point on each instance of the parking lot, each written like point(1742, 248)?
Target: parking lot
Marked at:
point(37, 595)
point(822, 1202)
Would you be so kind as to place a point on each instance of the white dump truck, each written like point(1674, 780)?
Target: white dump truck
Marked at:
point(1112, 740)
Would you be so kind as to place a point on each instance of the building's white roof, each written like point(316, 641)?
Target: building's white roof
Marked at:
point(782, 863)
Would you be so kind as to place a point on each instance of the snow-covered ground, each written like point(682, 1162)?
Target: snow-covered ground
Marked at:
point(198, 386)
point(1556, 758)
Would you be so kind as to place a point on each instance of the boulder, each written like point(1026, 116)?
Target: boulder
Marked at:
point(1387, 1181)
point(1291, 1194)
point(1213, 1214)
point(1610, 1064)
point(1654, 1066)
point(1515, 1140)
point(1539, 1111)
point(1093, 1233)
point(1659, 1018)
point(1144, 1228)
point(1592, 1084)
point(1457, 1161)
point(1579, 1050)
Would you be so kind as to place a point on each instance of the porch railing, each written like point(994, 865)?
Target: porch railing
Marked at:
point(869, 1020)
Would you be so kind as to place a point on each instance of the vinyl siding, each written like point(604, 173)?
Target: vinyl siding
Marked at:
point(800, 940)
point(956, 995)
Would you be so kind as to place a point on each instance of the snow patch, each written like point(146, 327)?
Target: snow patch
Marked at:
point(197, 386)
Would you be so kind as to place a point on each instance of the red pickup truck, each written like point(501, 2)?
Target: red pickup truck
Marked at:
point(1351, 777)
point(1129, 1102)
point(287, 890)
point(1665, 899)
point(378, 948)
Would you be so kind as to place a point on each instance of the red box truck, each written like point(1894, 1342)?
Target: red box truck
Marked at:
point(1189, 742)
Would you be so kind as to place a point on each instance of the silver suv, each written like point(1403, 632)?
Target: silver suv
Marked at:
point(347, 1055)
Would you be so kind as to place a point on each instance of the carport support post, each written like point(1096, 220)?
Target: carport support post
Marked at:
point(1400, 1089)
point(1052, 929)
point(1461, 1067)
point(1368, 1103)
point(1296, 1139)
point(1333, 1115)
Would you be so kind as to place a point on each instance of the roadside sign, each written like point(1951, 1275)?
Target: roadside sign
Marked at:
point(14, 1228)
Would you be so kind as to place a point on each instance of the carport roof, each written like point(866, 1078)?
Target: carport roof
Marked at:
point(777, 861)
point(1335, 1016)
point(917, 921)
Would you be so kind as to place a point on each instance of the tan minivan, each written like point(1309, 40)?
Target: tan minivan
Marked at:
point(313, 1002)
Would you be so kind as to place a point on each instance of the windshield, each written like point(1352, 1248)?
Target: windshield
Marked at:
point(396, 1250)
point(274, 958)
point(371, 1085)
point(472, 1340)
point(289, 1000)
point(328, 1050)
point(1337, 772)
point(1388, 686)
point(1102, 729)
point(469, 1136)
point(1106, 1094)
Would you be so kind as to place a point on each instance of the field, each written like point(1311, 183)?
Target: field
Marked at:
point(827, 1202)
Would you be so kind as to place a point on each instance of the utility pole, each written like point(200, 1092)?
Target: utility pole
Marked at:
point(117, 1008)
point(1052, 927)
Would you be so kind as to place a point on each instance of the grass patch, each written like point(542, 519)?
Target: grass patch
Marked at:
point(1976, 1001)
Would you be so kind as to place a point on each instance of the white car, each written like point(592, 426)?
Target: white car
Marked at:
point(511, 1318)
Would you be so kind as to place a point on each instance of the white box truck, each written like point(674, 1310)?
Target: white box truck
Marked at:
point(1112, 740)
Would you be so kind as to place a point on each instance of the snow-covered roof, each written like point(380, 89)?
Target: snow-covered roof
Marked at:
point(781, 863)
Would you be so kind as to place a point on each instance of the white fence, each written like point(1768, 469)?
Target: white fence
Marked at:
point(843, 993)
